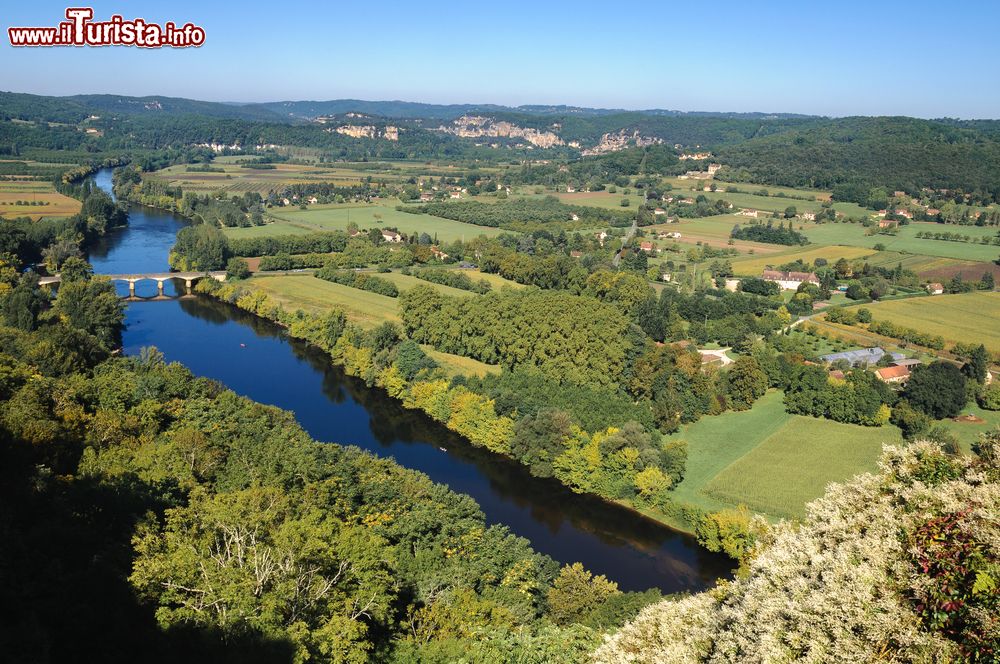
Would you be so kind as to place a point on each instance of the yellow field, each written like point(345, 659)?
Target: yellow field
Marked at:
point(57, 205)
point(754, 265)
point(967, 317)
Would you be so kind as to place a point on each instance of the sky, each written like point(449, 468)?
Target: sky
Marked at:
point(878, 57)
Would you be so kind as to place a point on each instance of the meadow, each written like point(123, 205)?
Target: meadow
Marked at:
point(794, 464)
point(771, 461)
point(314, 295)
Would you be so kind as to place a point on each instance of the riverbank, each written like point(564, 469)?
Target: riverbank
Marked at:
point(478, 425)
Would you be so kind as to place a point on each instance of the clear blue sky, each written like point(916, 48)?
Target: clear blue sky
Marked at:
point(925, 59)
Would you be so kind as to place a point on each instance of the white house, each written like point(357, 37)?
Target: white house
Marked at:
point(790, 280)
point(391, 236)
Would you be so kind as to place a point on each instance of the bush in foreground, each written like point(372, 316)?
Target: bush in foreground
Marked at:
point(899, 566)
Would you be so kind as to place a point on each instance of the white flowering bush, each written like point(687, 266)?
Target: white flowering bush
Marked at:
point(898, 566)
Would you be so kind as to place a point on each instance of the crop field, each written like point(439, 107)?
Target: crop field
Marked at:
point(14, 193)
point(967, 317)
point(314, 295)
point(713, 231)
point(794, 464)
point(906, 241)
point(753, 265)
point(337, 217)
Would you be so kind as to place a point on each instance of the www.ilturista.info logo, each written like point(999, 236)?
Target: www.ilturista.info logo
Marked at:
point(81, 30)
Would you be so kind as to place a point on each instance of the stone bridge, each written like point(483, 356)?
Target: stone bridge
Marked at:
point(159, 277)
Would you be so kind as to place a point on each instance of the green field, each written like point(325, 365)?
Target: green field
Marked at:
point(771, 461)
point(795, 463)
point(405, 282)
point(320, 218)
point(495, 280)
point(967, 317)
point(314, 295)
point(906, 241)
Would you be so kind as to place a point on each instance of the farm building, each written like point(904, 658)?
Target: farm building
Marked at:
point(894, 374)
point(790, 280)
point(860, 358)
point(391, 236)
point(647, 247)
point(935, 289)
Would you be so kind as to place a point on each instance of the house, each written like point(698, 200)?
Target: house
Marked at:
point(391, 236)
point(455, 194)
point(426, 196)
point(312, 200)
point(899, 194)
point(659, 211)
point(808, 216)
point(714, 168)
point(935, 288)
point(687, 201)
point(933, 212)
point(860, 358)
point(647, 247)
point(574, 217)
point(438, 254)
point(601, 237)
point(575, 254)
point(904, 213)
point(285, 201)
point(790, 280)
point(893, 374)
point(746, 212)
point(881, 213)
point(570, 190)
point(887, 223)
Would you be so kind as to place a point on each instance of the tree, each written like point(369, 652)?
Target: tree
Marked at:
point(745, 383)
point(199, 247)
point(937, 389)
point(977, 365)
point(576, 593)
point(76, 269)
point(24, 303)
point(790, 212)
point(237, 268)
point(989, 399)
point(92, 306)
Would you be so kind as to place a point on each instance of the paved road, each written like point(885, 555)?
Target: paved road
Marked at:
point(628, 238)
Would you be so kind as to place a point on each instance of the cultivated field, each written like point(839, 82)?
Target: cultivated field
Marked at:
point(906, 241)
point(337, 217)
point(967, 317)
point(753, 265)
point(15, 193)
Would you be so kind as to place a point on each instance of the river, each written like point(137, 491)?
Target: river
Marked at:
point(257, 359)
